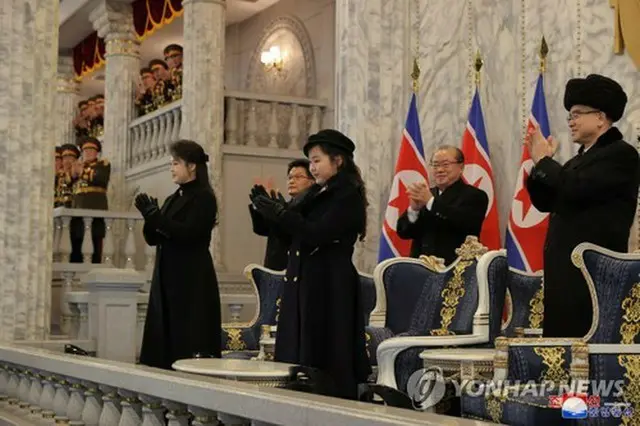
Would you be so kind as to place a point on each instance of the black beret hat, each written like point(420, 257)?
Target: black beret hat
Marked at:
point(69, 149)
point(330, 137)
point(596, 91)
point(91, 143)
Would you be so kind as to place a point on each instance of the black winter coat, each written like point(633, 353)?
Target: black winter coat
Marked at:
point(321, 323)
point(183, 316)
point(457, 212)
point(275, 256)
point(592, 198)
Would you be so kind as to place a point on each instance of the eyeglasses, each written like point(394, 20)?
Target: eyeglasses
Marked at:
point(297, 177)
point(574, 115)
point(173, 56)
point(444, 164)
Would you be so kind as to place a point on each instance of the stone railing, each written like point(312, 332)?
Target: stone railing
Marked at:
point(271, 120)
point(251, 119)
point(117, 250)
point(152, 133)
point(41, 387)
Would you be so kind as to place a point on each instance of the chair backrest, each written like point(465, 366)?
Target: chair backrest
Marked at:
point(526, 307)
point(614, 284)
point(367, 295)
point(423, 297)
point(493, 274)
point(268, 285)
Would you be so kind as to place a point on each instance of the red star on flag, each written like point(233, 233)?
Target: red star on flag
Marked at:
point(477, 182)
point(401, 202)
point(523, 195)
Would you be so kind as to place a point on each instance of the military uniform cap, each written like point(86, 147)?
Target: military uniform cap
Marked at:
point(69, 149)
point(58, 151)
point(596, 91)
point(330, 137)
point(91, 143)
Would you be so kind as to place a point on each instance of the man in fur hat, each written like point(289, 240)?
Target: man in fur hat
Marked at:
point(591, 198)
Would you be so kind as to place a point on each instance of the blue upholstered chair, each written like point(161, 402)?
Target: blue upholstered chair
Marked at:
point(428, 306)
point(367, 295)
point(242, 340)
point(609, 351)
point(526, 308)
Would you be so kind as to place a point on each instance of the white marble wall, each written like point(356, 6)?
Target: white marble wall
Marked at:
point(377, 40)
point(28, 41)
point(372, 96)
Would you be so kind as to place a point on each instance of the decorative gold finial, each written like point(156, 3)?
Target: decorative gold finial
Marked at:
point(544, 50)
point(478, 63)
point(415, 74)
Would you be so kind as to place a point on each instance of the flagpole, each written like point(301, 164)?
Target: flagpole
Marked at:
point(544, 50)
point(478, 63)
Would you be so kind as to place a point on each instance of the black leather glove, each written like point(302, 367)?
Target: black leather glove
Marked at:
point(145, 205)
point(256, 191)
point(278, 198)
point(268, 208)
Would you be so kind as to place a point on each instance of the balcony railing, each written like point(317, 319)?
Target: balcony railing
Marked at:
point(39, 386)
point(286, 121)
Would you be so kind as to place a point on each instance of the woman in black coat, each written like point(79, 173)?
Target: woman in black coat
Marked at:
point(183, 317)
point(321, 322)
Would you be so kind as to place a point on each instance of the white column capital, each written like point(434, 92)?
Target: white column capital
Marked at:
point(113, 20)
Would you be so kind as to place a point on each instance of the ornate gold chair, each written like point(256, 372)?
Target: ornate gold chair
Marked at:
point(608, 357)
point(429, 306)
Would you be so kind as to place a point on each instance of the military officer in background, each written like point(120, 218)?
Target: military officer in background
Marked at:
point(173, 58)
point(91, 180)
point(69, 154)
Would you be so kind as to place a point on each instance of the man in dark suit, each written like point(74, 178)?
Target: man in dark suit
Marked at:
point(592, 198)
point(440, 218)
point(299, 179)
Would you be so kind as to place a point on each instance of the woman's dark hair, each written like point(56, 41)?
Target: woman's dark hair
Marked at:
point(349, 169)
point(192, 153)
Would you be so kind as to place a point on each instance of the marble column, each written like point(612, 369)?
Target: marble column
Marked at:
point(66, 100)
point(373, 61)
point(29, 39)
point(113, 20)
point(203, 90)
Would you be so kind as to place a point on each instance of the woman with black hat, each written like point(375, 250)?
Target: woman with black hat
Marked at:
point(321, 323)
point(183, 316)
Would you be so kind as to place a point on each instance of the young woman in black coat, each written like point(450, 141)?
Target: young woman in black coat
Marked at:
point(183, 316)
point(321, 322)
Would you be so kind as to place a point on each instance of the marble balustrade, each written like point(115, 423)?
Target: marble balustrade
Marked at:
point(42, 387)
point(251, 119)
point(118, 250)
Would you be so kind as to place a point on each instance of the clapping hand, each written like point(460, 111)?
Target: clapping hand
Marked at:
point(146, 205)
point(268, 207)
point(278, 197)
point(419, 195)
point(538, 146)
point(256, 191)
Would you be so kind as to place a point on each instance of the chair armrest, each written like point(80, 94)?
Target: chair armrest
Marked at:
point(239, 337)
point(504, 346)
point(389, 350)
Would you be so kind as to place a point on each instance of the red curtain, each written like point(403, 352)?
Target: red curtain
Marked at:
point(148, 16)
point(88, 55)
